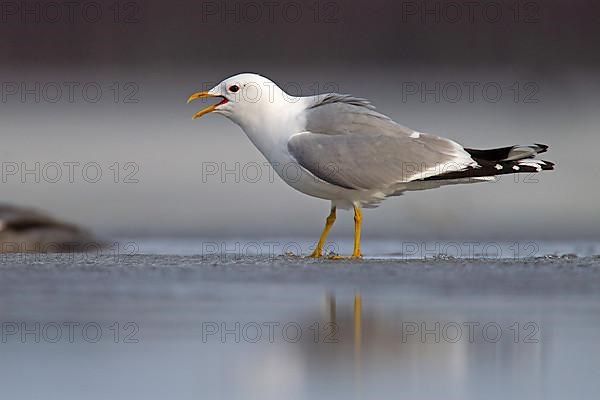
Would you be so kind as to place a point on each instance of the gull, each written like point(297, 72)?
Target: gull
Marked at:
point(338, 148)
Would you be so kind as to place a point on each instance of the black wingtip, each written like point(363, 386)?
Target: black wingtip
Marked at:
point(548, 166)
point(543, 148)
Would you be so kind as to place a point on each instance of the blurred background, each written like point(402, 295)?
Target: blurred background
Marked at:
point(96, 131)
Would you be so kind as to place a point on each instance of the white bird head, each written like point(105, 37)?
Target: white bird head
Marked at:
point(246, 98)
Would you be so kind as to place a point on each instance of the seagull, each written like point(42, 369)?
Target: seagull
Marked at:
point(337, 147)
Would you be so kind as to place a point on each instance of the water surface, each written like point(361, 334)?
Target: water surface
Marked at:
point(170, 322)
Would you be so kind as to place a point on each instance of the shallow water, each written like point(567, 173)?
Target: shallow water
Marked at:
point(163, 319)
point(372, 249)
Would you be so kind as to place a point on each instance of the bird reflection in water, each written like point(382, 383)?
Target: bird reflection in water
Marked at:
point(405, 344)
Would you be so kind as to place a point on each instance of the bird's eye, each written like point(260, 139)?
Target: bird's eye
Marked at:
point(234, 88)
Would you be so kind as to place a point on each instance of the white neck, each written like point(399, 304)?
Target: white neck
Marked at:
point(269, 125)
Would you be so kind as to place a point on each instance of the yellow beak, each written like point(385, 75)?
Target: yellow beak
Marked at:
point(201, 95)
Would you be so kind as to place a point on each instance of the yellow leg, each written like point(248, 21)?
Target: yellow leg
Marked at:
point(357, 323)
point(358, 342)
point(329, 223)
point(357, 224)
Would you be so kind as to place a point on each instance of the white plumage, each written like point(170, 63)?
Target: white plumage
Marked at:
point(337, 147)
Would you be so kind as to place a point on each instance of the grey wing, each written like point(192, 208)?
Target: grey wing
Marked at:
point(355, 147)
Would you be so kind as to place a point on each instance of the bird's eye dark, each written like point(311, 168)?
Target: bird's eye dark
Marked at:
point(234, 88)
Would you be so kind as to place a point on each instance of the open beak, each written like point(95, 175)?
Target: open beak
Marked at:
point(203, 95)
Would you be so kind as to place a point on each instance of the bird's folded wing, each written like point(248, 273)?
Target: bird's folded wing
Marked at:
point(357, 148)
